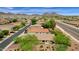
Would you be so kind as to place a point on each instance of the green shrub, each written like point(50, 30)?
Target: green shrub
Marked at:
point(33, 21)
point(49, 24)
point(17, 27)
point(60, 38)
point(22, 24)
point(6, 32)
point(45, 25)
point(61, 47)
point(26, 42)
point(14, 20)
point(1, 34)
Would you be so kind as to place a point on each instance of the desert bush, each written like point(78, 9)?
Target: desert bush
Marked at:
point(6, 32)
point(1, 34)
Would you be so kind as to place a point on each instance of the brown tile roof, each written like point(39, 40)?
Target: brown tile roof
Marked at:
point(37, 29)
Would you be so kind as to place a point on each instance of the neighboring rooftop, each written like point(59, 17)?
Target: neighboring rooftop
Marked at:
point(40, 32)
point(37, 29)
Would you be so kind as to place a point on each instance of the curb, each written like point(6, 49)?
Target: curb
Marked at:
point(8, 46)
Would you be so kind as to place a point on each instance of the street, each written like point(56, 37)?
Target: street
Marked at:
point(72, 31)
point(10, 39)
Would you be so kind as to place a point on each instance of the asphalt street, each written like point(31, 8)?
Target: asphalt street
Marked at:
point(72, 31)
point(10, 39)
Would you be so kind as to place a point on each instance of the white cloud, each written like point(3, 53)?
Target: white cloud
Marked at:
point(9, 7)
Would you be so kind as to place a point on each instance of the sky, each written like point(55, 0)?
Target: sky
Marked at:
point(41, 10)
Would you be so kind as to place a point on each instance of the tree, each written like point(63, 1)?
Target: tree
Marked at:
point(33, 21)
point(49, 24)
point(1, 34)
point(53, 24)
point(6, 32)
point(44, 25)
point(14, 20)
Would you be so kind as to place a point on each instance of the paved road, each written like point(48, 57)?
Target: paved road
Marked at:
point(10, 39)
point(72, 31)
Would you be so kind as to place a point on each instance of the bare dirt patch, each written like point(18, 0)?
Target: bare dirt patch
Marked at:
point(74, 46)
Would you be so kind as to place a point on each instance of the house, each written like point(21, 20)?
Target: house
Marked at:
point(37, 29)
point(41, 33)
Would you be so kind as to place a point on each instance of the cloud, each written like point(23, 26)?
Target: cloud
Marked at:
point(28, 10)
point(9, 7)
point(39, 10)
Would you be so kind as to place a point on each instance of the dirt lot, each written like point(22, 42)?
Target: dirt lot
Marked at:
point(74, 23)
point(74, 46)
point(43, 47)
point(6, 27)
point(9, 26)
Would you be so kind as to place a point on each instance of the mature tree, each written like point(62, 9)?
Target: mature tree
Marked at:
point(49, 24)
point(53, 24)
point(14, 20)
point(33, 21)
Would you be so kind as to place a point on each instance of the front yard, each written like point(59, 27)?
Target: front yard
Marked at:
point(26, 42)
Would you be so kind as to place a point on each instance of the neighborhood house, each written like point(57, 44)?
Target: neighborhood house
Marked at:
point(41, 33)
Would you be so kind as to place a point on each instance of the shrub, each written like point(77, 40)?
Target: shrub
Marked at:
point(60, 38)
point(1, 34)
point(26, 42)
point(61, 47)
point(33, 21)
point(17, 27)
point(14, 20)
point(45, 25)
point(6, 32)
point(22, 24)
point(49, 24)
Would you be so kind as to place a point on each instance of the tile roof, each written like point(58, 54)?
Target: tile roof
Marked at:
point(37, 29)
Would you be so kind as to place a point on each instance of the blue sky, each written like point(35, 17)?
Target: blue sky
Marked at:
point(41, 10)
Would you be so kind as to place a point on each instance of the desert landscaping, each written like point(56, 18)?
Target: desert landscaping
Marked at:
point(23, 32)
